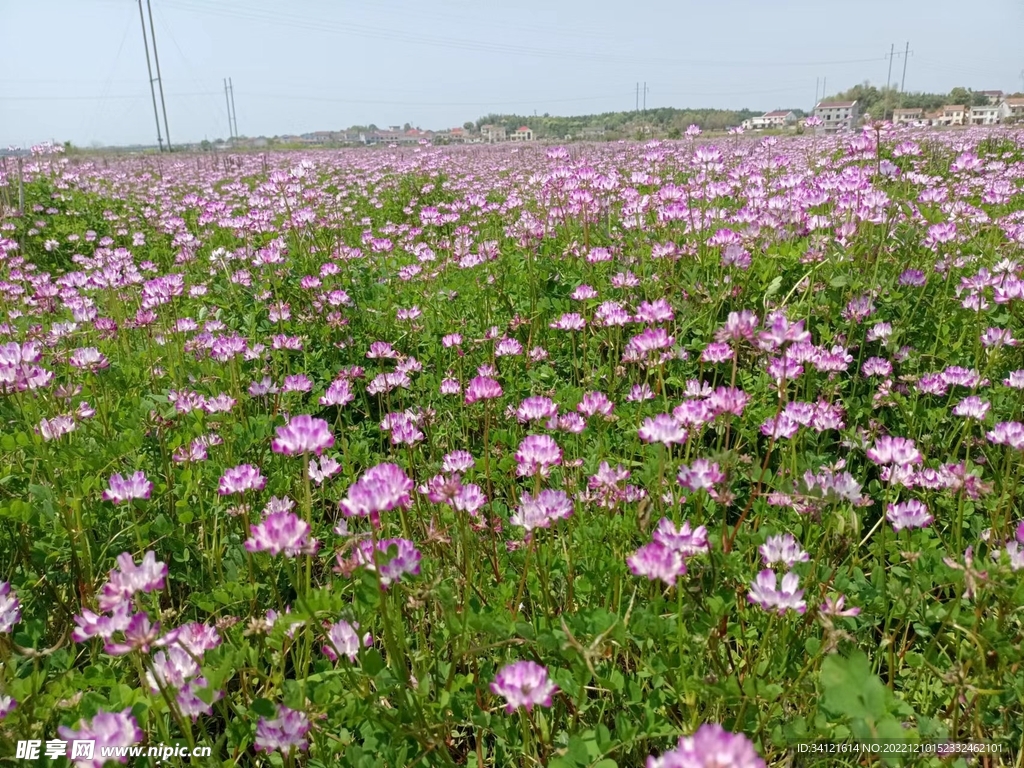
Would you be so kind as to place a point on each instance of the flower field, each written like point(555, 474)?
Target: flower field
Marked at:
point(672, 454)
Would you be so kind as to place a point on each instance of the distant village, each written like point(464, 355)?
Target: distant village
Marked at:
point(839, 116)
point(829, 116)
point(393, 135)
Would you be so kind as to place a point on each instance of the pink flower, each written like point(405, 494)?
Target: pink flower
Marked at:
point(524, 684)
point(123, 582)
point(343, 640)
point(240, 479)
point(662, 429)
point(380, 489)
point(281, 532)
point(684, 540)
point(288, 730)
point(908, 514)
point(106, 729)
point(537, 454)
point(406, 559)
point(710, 747)
point(894, 450)
point(338, 394)
point(303, 434)
point(540, 512)
point(596, 403)
point(783, 549)
point(764, 593)
point(657, 561)
point(122, 489)
point(702, 474)
point(10, 608)
point(482, 388)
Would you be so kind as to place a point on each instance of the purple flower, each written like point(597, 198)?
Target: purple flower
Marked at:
point(406, 559)
point(908, 514)
point(657, 561)
point(281, 532)
point(684, 540)
point(662, 429)
point(834, 606)
point(138, 636)
point(380, 489)
point(7, 705)
point(343, 640)
point(783, 549)
point(482, 388)
point(122, 490)
point(596, 403)
point(764, 593)
point(536, 409)
point(894, 450)
point(716, 352)
point(1009, 433)
point(107, 729)
point(122, 584)
point(540, 512)
point(972, 407)
point(458, 461)
point(338, 394)
point(10, 608)
point(240, 479)
point(303, 434)
point(537, 454)
point(700, 475)
point(322, 470)
point(97, 625)
point(524, 684)
point(710, 747)
point(288, 730)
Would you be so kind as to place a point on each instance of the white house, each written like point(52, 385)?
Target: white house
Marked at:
point(1013, 108)
point(492, 134)
point(836, 116)
point(907, 116)
point(779, 118)
point(988, 114)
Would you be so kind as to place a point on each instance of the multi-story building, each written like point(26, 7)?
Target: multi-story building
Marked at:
point(779, 118)
point(522, 133)
point(988, 114)
point(952, 114)
point(492, 134)
point(836, 116)
point(1013, 108)
point(908, 116)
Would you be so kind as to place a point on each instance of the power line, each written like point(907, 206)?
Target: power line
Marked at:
point(363, 31)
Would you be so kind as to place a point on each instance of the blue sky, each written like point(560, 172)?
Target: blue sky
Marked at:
point(75, 69)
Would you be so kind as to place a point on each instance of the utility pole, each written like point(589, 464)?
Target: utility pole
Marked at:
point(234, 114)
point(227, 103)
point(149, 69)
point(638, 97)
point(903, 80)
point(817, 82)
point(888, 79)
point(159, 79)
point(824, 93)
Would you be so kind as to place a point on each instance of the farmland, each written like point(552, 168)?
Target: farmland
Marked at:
point(503, 456)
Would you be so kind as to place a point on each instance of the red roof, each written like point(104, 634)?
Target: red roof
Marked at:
point(778, 113)
point(523, 128)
